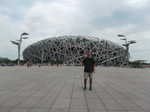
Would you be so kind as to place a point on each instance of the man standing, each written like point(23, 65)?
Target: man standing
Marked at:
point(89, 68)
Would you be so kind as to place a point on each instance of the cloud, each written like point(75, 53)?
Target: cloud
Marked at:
point(137, 3)
point(56, 17)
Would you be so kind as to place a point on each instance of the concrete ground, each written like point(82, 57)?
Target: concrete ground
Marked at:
point(52, 89)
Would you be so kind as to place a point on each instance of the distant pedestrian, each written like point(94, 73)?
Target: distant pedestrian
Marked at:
point(29, 63)
point(89, 68)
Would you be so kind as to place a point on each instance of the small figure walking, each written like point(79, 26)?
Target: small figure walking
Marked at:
point(89, 68)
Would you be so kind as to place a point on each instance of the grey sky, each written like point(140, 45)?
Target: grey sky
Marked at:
point(104, 19)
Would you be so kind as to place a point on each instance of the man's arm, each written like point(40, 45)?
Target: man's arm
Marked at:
point(93, 65)
point(83, 62)
point(94, 68)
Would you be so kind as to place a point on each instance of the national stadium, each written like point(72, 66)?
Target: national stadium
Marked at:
point(70, 50)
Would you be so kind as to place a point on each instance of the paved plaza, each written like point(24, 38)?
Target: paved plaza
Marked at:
point(59, 89)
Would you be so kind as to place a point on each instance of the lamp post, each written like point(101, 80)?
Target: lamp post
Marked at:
point(18, 44)
point(126, 45)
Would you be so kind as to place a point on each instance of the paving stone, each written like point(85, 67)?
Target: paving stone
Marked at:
point(79, 110)
point(19, 110)
point(38, 110)
point(59, 110)
point(4, 109)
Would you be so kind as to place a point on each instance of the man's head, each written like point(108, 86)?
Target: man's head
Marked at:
point(88, 54)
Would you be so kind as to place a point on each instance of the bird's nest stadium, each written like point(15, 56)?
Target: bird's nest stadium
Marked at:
point(70, 50)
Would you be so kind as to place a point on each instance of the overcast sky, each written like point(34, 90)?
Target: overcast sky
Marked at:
point(100, 18)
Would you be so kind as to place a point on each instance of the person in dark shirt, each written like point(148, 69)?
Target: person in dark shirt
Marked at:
point(89, 68)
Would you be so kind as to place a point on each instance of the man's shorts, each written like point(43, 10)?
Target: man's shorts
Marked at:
point(87, 74)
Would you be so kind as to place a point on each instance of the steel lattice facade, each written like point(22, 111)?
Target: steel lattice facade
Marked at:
point(71, 49)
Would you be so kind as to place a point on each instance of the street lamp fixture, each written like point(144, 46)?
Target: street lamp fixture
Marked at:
point(123, 39)
point(120, 35)
point(19, 42)
point(132, 41)
point(24, 33)
point(25, 37)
